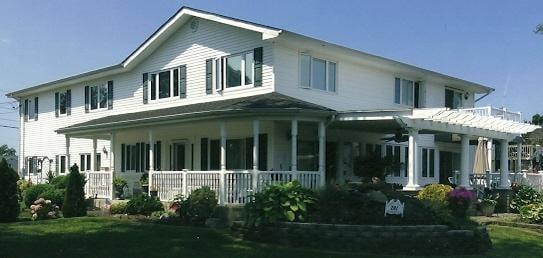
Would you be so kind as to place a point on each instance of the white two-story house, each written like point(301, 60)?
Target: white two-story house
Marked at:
point(217, 101)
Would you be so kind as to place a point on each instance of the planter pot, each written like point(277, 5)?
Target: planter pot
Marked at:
point(145, 188)
point(154, 193)
point(487, 209)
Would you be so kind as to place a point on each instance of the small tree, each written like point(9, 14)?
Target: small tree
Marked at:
point(9, 204)
point(74, 200)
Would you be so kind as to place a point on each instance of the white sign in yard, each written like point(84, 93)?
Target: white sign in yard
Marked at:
point(394, 207)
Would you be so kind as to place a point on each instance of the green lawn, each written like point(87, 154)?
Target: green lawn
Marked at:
point(109, 237)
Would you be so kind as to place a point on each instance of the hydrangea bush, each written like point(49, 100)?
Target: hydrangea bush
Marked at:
point(459, 201)
point(44, 209)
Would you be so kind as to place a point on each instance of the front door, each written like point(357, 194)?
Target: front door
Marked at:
point(179, 156)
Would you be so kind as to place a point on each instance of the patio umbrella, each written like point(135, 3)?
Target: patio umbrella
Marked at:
point(480, 165)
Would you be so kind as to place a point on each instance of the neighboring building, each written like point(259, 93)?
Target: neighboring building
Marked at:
point(232, 104)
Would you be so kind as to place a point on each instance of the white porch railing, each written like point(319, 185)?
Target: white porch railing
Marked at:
point(99, 184)
point(527, 153)
point(235, 186)
point(494, 112)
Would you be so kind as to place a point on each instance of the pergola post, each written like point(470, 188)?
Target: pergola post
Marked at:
point(519, 157)
point(504, 164)
point(222, 179)
point(413, 160)
point(112, 139)
point(322, 152)
point(256, 134)
point(490, 150)
point(464, 162)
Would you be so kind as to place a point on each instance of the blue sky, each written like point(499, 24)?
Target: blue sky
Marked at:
point(488, 42)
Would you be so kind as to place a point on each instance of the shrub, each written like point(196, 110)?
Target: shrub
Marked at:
point(143, 204)
point(44, 209)
point(118, 208)
point(59, 182)
point(32, 193)
point(525, 195)
point(364, 204)
point(22, 186)
point(532, 213)
point(119, 184)
point(435, 193)
point(74, 201)
point(283, 202)
point(460, 199)
point(198, 207)
point(9, 203)
point(55, 195)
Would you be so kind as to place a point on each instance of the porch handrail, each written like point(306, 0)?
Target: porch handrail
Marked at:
point(490, 111)
point(99, 184)
point(235, 186)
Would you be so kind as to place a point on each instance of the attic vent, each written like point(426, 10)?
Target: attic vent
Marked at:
point(194, 25)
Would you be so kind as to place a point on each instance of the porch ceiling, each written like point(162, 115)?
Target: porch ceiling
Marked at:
point(269, 104)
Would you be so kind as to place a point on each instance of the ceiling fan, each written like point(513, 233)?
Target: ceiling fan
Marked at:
point(399, 136)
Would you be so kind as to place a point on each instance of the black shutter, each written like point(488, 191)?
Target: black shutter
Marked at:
point(56, 103)
point(263, 152)
point(209, 76)
point(147, 161)
point(145, 87)
point(68, 102)
point(56, 165)
point(258, 66)
point(417, 95)
point(25, 113)
point(36, 108)
point(123, 157)
point(87, 95)
point(142, 157)
point(110, 95)
point(249, 143)
point(183, 81)
point(158, 155)
point(203, 154)
point(137, 155)
point(214, 155)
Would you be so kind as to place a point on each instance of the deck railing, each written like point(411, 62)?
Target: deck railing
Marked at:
point(232, 187)
point(99, 184)
point(527, 152)
point(494, 112)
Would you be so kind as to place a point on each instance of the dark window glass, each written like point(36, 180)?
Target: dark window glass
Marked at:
point(214, 155)
point(164, 84)
point(176, 82)
point(425, 162)
point(153, 86)
point(432, 163)
point(233, 71)
point(103, 96)
point(62, 106)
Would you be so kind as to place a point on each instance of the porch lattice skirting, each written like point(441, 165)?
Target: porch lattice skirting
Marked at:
point(235, 188)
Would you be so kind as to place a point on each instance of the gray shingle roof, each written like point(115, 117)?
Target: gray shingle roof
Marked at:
point(265, 103)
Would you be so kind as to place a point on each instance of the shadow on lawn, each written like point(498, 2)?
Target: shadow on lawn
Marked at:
point(105, 237)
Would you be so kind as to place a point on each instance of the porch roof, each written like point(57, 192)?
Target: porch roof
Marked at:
point(446, 120)
point(270, 104)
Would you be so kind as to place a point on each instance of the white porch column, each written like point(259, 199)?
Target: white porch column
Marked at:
point(112, 139)
point(222, 179)
point(151, 152)
point(413, 160)
point(322, 153)
point(519, 158)
point(93, 155)
point(490, 151)
point(68, 154)
point(256, 133)
point(294, 145)
point(504, 164)
point(464, 162)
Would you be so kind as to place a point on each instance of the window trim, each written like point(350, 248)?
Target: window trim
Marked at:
point(98, 108)
point(327, 72)
point(402, 78)
point(428, 164)
point(157, 85)
point(219, 83)
point(65, 93)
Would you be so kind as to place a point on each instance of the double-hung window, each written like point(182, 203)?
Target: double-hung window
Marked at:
point(85, 162)
point(164, 84)
point(235, 70)
point(98, 96)
point(316, 73)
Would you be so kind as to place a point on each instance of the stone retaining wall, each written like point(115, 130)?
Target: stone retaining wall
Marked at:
point(420, 239)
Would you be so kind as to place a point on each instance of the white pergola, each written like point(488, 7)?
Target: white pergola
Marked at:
point(465, 123)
